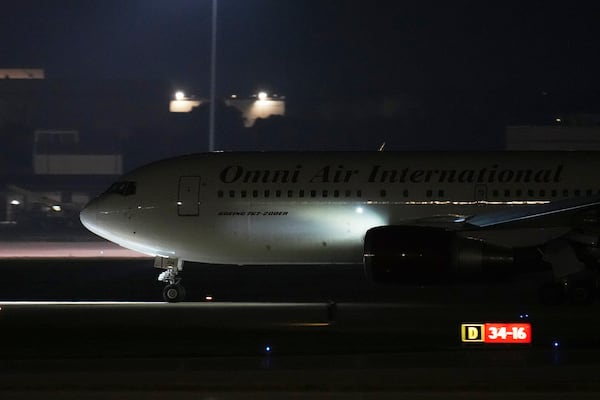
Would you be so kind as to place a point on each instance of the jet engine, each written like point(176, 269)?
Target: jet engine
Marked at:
point(423, 255)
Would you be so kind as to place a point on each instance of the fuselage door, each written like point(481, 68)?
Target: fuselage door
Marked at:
point(189, 196)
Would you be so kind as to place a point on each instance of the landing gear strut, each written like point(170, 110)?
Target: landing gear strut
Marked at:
point(579, 281)
point(173, 292)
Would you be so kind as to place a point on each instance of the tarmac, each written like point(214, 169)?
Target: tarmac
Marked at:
point(297, 350)
point(94, 327)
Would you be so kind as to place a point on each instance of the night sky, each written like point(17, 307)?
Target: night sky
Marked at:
point(301, 47)
point(467, 69)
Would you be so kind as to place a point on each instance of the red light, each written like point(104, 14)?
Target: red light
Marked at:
point(507, 333)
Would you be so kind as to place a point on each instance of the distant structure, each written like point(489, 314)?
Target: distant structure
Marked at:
point(62, 181)
point(261, 105)
point(183, 104)
point(574, 132)
point(48, 172)
point(57, 152)
point(22, 73)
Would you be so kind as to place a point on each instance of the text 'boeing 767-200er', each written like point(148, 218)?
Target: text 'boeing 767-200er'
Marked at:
point(410, 218)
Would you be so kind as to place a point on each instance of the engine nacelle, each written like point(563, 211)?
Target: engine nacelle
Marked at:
point(419, 255)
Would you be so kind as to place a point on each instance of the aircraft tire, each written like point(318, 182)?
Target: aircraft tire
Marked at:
point(173, 293)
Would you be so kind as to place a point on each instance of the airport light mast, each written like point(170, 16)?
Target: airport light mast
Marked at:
point(213, 77)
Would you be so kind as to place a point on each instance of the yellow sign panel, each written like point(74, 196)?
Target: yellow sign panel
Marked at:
point(472, 333)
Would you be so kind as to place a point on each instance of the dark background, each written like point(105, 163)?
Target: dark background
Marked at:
point(310, 47)
point(463, 70)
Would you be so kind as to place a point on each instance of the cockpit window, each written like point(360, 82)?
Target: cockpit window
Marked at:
point(122, 188)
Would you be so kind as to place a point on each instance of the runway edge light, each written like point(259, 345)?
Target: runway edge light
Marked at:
point(496, 333)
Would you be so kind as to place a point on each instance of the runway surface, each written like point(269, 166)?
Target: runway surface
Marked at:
point(296, 350)
point(272, 333)
point(65, 250)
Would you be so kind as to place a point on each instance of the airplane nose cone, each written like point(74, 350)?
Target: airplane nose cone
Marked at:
point(87, 216)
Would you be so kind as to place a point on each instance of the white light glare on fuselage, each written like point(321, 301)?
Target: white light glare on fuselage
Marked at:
point(343, 223)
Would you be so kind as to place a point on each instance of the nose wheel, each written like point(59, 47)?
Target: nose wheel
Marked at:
point(173, 292)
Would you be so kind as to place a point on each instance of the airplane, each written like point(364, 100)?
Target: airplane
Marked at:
point(407, 217)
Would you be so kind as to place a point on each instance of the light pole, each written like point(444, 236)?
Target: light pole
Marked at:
point(213, 77)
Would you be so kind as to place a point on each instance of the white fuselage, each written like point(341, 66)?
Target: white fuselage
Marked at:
point(303, 208)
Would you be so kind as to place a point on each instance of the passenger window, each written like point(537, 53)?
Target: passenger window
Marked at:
point(290, 193)
point(220, 193)
point(232, 193)
point(382, 193)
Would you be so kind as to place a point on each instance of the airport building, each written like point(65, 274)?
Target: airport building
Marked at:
point(63, 141)
point(22, 73)
point(260, 105)
point(64, 176)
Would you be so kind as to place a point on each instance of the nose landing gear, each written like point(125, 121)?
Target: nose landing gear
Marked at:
point(173, 292)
